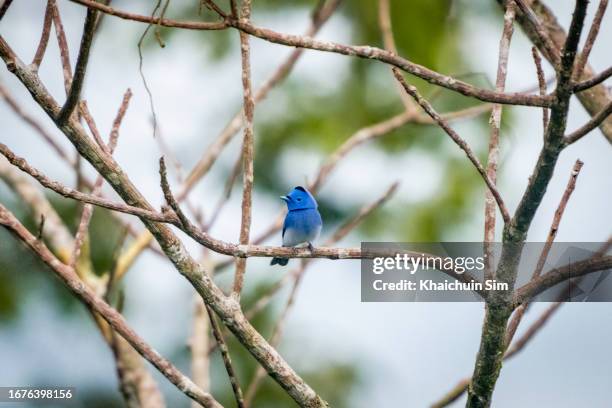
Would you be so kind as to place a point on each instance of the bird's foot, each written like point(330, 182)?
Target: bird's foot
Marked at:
point(310, 246)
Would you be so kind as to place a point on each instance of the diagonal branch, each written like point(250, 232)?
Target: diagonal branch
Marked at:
point(277, 331)
point(552, 233)
point(227, 361)
point(594, 122)
point(44, 37)
point(590, 40)
point(68, 276)
point(412, 91)
point(88, 209)
point(594, 80)
point(81, 66)
point(558, 275)
point(384, 22)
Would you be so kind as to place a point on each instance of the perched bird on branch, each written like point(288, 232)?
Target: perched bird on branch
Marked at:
point(303, 222)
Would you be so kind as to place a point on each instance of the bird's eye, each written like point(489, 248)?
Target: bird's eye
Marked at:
point(299, 199)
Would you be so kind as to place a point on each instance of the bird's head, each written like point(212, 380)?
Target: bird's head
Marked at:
point(299, 199)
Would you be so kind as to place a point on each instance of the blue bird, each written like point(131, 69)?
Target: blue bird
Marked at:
point(303, 222)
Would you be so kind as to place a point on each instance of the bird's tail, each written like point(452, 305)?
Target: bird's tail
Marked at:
point(279, 261)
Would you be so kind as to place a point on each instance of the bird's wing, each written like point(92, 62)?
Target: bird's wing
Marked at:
point(284, 227)
point(301, 226)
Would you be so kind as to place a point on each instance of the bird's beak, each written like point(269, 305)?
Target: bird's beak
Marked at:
point(284, 198)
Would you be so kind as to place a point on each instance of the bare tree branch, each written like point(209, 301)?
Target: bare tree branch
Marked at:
point(357, 51)
point(44, 37)
point(81, 65)
point(590, 125)
point(542, 84)
point(55, 232)
point(247, 150)
point(594, 99)
point(495, 123)
point(384, 22)
point(558, 275)
point(62, 43)
point(319, 16)
point(499, 305)
point(227, 361)
point(227, 309)
point(412, 91)
point(552, 233)
point(68, 276)
point(594, 80)
point(582, 59)
point(88, 209)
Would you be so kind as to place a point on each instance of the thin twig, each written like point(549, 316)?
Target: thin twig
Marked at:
point(214, 7)
point(44, 37)
point(62, 43)
point(141, 63)
point(537, 60)
point(384, 22)
point(114, 134)
point(227, 361)
point(597, 97)
point(412, 91)
point(554, 227)
point(81, 66)
point(582, 59)
point(495, 124)
point(594, 80)
point(563, 273)
point(91, 124)
point(594, 122)
point(552, 233)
